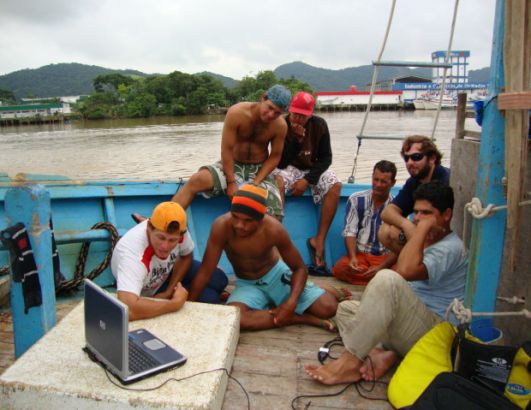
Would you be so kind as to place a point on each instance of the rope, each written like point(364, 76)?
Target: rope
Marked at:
point(375, 76)
point(373, 84)
point(475, 208)
point(446, 59)
point(464, 315)
point(514, 300)
point(82, 259)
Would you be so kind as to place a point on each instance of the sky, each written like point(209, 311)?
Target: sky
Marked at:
point(236, 38)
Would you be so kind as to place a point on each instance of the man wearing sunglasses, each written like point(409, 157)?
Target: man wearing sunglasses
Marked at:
point(154, 260)
point(423, 162)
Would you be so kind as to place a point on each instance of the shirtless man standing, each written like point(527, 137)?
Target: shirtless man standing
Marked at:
point(271, 288)
point(248, 131)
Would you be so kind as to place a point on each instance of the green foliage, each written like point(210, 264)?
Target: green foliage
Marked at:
point(57, 80)
point(112, 81)
point(7, 97)
point(141, 105)
point(252, 89)
point(177, 93)
point(99, 105)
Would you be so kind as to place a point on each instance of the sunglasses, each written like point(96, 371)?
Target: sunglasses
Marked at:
point(417, 156)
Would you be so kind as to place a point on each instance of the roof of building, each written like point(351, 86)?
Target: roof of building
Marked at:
point(30, 107)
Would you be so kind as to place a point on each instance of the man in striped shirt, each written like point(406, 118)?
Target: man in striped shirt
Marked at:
point(365, 254)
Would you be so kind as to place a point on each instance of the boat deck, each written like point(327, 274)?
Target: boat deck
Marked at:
point(269, 365)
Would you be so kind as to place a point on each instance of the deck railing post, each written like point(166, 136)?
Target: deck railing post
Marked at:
point(31, 206)
point(461, 116)
point(486, 247)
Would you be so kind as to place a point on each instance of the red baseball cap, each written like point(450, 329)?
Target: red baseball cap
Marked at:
point(302, 103)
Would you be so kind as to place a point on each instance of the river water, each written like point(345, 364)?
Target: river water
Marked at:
point(175, 147)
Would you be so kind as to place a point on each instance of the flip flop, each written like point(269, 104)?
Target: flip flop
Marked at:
point(318, 270)
point(314, 255)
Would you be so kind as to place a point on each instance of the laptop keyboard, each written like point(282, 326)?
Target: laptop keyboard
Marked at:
point(139, 360)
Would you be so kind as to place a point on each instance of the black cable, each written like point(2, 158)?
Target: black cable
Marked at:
point(359, 387)
point(322, 355)
point(179, 380)
point(324, 351)
point(310, 396)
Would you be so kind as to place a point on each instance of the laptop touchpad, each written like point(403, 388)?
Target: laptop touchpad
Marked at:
point(154, 344)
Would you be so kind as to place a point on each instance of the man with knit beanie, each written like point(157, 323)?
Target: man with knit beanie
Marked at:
point(251, 145)
point(271, 288)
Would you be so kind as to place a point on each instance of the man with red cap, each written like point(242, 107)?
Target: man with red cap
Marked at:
point(154, 260)
point(305, 162)
point(271, 278)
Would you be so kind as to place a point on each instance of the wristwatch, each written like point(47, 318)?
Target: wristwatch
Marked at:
point(402, 237)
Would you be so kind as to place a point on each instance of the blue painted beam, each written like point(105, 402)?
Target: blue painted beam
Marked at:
point(486, 248)
point(31, 206)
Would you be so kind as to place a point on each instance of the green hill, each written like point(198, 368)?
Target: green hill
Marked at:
point(227, 81)
point(323, 79)
point(56, 80)
point(76, 79)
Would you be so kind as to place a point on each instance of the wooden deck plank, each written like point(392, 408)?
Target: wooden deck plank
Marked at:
point(269, 365)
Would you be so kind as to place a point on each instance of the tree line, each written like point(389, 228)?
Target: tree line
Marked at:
point(120, 96)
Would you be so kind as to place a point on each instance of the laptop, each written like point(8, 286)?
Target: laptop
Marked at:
point(130, 356)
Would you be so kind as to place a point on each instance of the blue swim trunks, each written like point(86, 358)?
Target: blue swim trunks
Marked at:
point(272, 290)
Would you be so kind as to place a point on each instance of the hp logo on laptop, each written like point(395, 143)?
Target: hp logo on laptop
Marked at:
point(103, 326)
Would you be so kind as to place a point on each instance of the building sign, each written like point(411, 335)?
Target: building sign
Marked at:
point(456, 53)
point(435, 86)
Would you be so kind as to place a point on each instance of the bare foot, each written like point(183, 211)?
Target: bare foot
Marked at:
point(379, 363)
point(340, 294)
point(346, 369)
point(319, 252)
point(309, 319)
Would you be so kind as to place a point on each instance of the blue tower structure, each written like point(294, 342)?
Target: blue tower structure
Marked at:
point(459, 71)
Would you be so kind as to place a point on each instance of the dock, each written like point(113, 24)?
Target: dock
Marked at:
point(268, 364)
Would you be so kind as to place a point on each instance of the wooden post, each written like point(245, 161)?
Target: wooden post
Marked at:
point(461, 116)
point(31, 206)
point(516, 79)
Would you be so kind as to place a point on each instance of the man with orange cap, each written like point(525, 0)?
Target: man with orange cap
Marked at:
point(154, 260)
point(271, 278)
point(305, 162)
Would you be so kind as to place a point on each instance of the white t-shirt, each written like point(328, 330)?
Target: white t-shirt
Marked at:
point(136, 267)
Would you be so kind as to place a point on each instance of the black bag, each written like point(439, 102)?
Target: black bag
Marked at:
point(489, 365)
point(449, 391)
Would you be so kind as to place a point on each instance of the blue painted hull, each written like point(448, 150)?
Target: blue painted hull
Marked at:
point(78, 205)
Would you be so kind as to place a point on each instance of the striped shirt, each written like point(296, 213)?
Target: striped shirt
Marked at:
point(363, 222)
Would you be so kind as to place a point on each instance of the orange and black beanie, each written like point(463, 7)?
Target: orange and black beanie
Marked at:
point(250, 200)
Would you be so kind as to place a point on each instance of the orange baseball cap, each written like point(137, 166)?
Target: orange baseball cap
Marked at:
point(166, 213)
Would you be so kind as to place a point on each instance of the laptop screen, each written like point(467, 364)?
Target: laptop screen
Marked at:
point(105, 326)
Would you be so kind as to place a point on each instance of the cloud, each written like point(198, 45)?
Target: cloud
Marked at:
point(235, 37)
